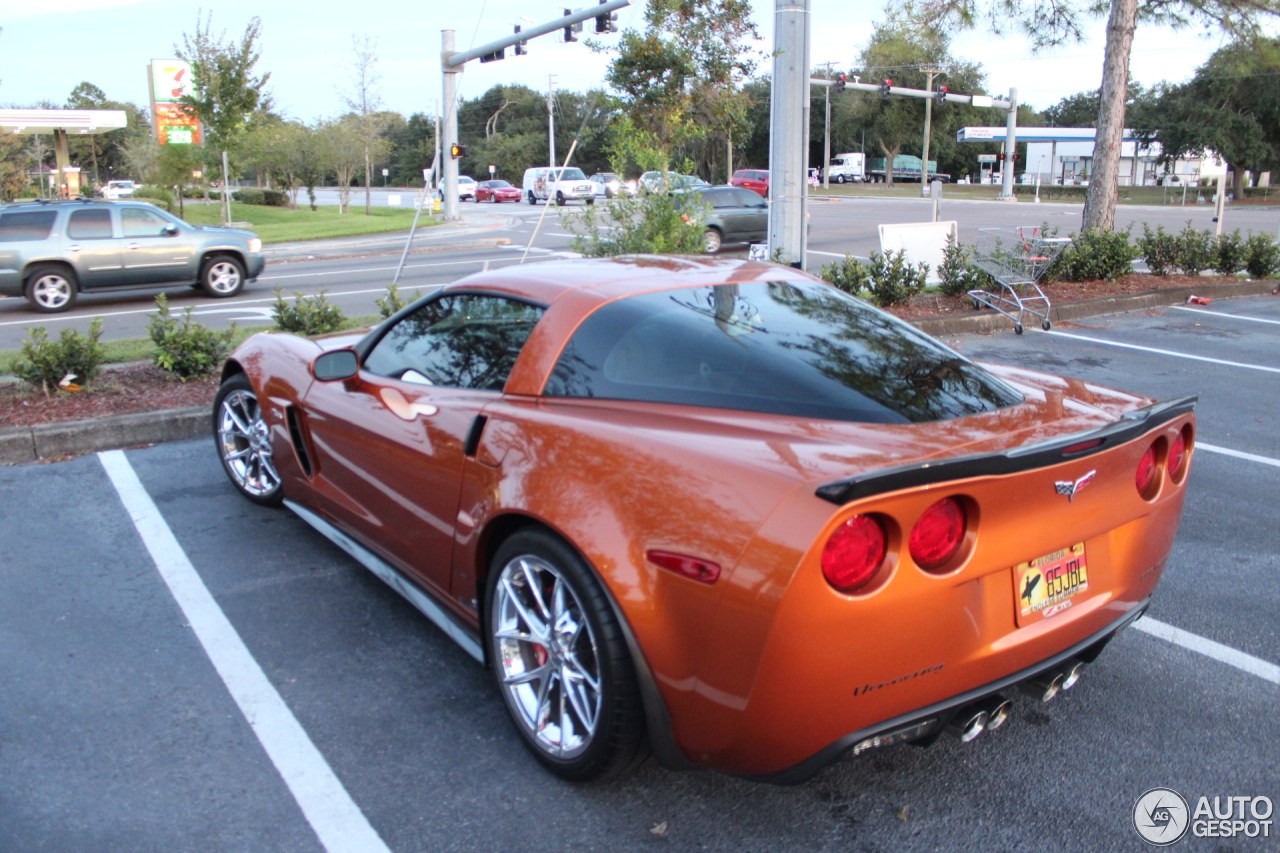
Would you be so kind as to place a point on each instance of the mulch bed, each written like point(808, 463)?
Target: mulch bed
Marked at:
point(129, 389)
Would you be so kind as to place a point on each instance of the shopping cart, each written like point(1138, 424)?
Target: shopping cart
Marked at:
point(1016, 258)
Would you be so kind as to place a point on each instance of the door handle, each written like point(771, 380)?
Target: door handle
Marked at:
point(134, 246)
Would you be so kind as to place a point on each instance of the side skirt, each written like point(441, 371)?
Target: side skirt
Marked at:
point(394, 579)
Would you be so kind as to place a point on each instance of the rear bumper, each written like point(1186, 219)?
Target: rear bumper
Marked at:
point(940, 713)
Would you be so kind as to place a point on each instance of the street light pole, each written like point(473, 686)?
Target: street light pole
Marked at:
point(450, 130)
point(932, 71)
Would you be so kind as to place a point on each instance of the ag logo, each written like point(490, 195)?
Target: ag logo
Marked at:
point(1161, 817)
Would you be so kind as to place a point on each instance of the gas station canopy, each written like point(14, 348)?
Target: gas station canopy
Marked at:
point(1033, 134)
point(73, 122)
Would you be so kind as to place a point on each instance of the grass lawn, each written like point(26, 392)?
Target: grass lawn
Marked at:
point(280, 224)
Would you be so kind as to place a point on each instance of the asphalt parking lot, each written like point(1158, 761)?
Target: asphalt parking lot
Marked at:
point(183, 670)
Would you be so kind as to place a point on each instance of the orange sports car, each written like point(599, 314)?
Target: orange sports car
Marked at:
point(714, 509)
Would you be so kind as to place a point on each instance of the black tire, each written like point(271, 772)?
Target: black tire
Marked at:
point(243, 442)
point(532, 200)
point(559, 199)
point(839, 179)
point(51, 288)
point(1046, 325)
point(616, 741)
point(712, 240)
point(221, 276)
point(1017, 328)
point(591, 199)
point(608, 193)
point(977, 306)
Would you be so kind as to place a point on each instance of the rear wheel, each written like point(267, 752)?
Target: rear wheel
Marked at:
point(222, 276)
point(243, 439)
point(560, 660)
point(532, 200)
point(712, 241)
point(52, 289)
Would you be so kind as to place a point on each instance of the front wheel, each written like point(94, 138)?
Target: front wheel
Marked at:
point(243, 439)
point(559, 199)
point(222, 276)
point(52, 289)
point(711, 241)
point(560, 660)
point(591, 199)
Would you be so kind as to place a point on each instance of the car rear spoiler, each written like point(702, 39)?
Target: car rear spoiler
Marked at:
point(1041, 455)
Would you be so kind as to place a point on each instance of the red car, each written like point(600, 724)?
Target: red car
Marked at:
point(717, 509)
point(752, 179)
point(496, 191)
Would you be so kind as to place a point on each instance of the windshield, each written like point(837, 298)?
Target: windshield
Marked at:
point(569, 175)
point(796, 348)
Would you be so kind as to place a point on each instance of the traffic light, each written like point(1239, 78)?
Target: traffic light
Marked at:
point(841, 80)
point(571, 28)
point(885, 87)
point(941, 94)
point(456, 151)
point(520, 51)
point(607, 23)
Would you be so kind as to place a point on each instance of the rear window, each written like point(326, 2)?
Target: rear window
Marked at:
point(24, 226)
point(89, 224)
point(801, 349)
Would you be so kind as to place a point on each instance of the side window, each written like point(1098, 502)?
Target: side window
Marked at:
point(140, 222)
point(91, 224)
point(462, 341)
point(749, 198)
point(26, 226)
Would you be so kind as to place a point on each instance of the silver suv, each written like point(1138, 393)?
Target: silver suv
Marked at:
point(50, 251)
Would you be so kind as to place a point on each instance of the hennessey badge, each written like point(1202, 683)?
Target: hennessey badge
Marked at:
point(1069, 487)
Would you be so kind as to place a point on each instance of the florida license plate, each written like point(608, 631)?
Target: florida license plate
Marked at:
point(1046, 586)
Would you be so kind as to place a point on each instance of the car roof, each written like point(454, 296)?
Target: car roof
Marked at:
point(40, 203)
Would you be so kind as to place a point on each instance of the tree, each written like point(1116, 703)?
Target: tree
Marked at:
point(1225, 108)
point(226, 92)
point(410, 148)
point(363, 100)
point(1053, 22)
point(341, 149)
point(14, 163)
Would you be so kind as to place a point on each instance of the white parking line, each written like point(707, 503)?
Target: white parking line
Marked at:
point(336, 819)
point(1203, 312)
point(1167, 352)
point(1265, 670)
point(1238, 454)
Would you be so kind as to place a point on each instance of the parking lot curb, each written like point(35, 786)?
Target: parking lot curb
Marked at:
point(989, 321)
point(20, 445)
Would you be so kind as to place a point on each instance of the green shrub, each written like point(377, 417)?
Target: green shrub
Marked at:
point(648, 222)
point(1196, 250)
point(44, 363)
point(1232, 254)
point(308, 315)
point(894, 280)
point(392, 302)
point(957, 272)
point(1263, 256)
point(849, 275)
point(184, 347)
point(1159, 249)
point(1095, 255)
point(159, 196)
point(254, 195)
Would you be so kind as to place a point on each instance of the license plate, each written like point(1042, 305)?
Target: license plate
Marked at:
point(1047, 585)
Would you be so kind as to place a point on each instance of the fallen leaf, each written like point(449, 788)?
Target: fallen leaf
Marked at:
point(902, 814)
point(659, 829)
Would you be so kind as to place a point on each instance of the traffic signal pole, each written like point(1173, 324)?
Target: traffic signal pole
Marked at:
point(452, 62)
point(789, 132)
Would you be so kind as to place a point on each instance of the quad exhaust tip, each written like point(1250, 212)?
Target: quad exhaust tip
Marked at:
point(1050, 684)
point(987, 715)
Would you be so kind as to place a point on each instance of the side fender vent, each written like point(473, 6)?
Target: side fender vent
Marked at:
point(299, 442)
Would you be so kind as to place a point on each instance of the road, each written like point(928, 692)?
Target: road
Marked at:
point(117, 732)
point(355, 271)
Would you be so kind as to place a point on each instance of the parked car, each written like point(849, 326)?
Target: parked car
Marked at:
point(609, 184)
point(496, 191)
point(118, 189)
point(561, 184)
point(466, 188)
point(50, 252)
point(672, 181)
point(736, 215)
point(756, 180)
point(717, 508)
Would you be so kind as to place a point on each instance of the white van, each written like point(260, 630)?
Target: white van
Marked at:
point(541, 184)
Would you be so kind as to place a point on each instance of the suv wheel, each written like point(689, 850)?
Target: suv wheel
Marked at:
point(222, 276)
point(52, 289)
point(711, 241)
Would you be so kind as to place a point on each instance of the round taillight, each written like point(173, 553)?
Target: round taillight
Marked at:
point(1146, 473)
point(853, 553)
point(938, 534)
point(1177, 453)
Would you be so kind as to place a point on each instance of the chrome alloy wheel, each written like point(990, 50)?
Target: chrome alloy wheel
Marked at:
point(548, 657)
point(244, 442)
point(223, 277)
point(51, 291)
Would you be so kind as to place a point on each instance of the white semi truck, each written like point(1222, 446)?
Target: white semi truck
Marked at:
point(847, 169)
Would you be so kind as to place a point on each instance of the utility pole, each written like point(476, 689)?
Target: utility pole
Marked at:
point(932, 71)
point(789, 132)
point(826, 128)
point(1010, 149)
point(551, 118)
point(449, 191)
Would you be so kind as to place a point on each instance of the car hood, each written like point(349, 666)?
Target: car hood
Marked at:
point(219, 229)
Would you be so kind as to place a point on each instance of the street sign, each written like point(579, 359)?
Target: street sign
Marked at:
point(1068, 159)
point(987, 158)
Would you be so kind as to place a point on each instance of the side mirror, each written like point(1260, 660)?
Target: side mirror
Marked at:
point(169, 230)
point(335, 365)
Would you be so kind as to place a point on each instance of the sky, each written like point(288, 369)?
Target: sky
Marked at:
point(307, 47)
